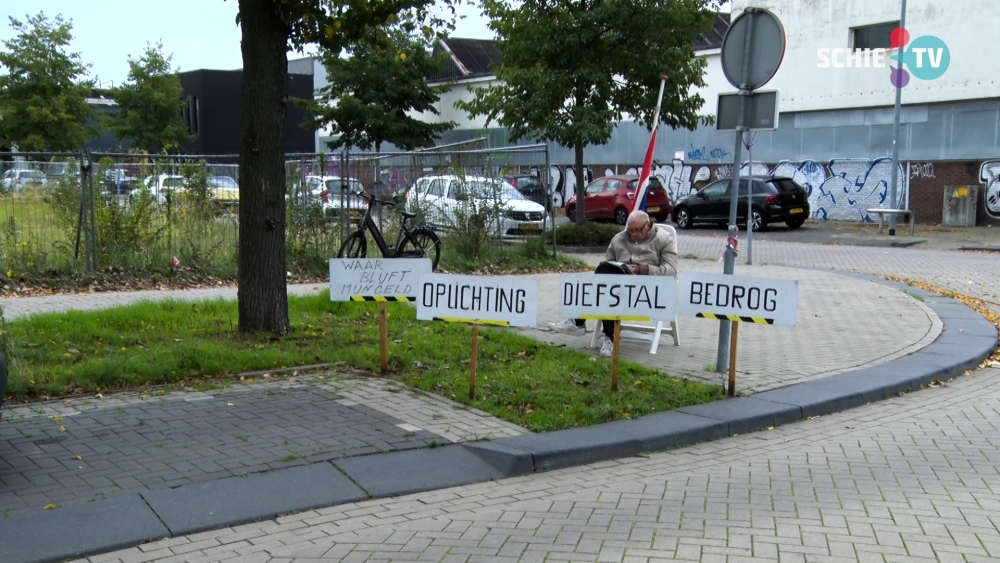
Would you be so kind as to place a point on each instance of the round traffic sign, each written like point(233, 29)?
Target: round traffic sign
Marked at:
point(753, 48)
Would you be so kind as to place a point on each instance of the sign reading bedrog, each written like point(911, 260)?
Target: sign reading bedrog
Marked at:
point(738, 298)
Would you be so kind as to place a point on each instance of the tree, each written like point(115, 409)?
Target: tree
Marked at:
point(150, 104)
point(570, 70)
point(371, 92)
point(268, 29)
point(42, 101)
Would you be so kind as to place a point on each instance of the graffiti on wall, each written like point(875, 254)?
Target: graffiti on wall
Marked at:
point(989, 175)
point(704, 154)
point(840, 189)
point(922, 170)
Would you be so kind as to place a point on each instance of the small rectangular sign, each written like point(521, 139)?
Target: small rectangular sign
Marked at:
point(617, 297)
point(478, 300)
point(738, 298)
point(376, 279)
point(761, 111)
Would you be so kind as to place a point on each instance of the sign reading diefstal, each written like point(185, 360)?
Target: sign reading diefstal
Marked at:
point(617, 297)
point(376, 279)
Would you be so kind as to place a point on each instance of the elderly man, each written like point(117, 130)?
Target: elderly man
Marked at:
point(645, 249)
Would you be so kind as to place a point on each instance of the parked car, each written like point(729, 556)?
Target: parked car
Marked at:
point(163, 185)
point(438, 198)
point(337, 196)
point(118, 182)
point(16, 180)
point(610, 199)
point(532, 187)
point(774, 199)
point(223, 191)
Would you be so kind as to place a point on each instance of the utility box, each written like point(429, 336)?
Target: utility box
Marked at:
point(959, 208)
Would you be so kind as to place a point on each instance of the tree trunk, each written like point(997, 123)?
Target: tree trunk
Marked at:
point(581, 209)
point(263, 299)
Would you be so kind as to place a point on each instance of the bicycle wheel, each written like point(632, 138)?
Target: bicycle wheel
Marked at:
point(356, 246)
point(421, 243)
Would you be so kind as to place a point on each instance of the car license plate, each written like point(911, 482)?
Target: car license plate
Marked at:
point(529, 227)
point(653, 209)
point(795, 210)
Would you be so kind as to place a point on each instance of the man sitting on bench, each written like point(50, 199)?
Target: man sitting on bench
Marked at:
point(644, 249)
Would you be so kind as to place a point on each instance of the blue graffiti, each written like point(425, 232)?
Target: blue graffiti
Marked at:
point(696, 153)
point(718, 153)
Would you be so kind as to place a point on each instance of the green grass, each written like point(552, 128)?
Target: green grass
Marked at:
point(533, 384)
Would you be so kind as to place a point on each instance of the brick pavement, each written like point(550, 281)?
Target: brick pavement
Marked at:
point(843, 324)
point(88, 449)
point(908, 479)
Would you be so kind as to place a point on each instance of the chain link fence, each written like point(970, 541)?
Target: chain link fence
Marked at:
point(120, 212)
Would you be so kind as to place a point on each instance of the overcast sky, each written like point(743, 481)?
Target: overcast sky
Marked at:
point(201, 34)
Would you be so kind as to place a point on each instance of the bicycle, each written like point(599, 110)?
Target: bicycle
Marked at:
point(417, 242)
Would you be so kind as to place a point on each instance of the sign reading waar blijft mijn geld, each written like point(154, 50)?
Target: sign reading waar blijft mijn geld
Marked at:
point(377, 279)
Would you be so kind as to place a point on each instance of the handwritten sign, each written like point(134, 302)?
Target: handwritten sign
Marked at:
point(478, 300)
point(617, 297)
point(376, 279)
point(738, 298)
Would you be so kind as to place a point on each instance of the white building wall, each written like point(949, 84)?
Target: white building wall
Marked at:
point(810, 25)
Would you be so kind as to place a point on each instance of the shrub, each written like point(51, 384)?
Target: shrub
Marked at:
point(589, 234)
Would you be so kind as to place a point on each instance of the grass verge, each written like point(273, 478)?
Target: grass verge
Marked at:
point(519, 379)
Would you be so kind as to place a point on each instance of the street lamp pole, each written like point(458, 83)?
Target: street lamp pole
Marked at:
point(894, 178)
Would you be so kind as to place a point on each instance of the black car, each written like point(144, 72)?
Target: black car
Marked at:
point(774, 199)
point(532, 187)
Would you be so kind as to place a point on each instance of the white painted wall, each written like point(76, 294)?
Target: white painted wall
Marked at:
point(962, 24)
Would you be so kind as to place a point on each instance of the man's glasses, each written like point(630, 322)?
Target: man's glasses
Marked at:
point(640, 229)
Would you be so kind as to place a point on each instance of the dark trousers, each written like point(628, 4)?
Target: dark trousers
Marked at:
point(608, 326)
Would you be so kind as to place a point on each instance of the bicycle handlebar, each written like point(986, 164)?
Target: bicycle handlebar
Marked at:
point(372, 199)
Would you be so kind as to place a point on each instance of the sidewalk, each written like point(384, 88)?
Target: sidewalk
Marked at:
point(156, 466)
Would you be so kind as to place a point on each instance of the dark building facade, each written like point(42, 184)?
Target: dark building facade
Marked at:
point(214, 108)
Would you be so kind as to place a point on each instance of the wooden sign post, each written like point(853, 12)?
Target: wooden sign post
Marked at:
point(472, 362)
point(732, 359)
point(477, 301)
point(617, 297)
point(381, 280)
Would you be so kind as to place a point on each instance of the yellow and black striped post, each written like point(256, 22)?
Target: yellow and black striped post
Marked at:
point(736, 318)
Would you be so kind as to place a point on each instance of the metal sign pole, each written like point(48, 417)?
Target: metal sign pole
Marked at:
point(750, 202)
point(729, 266)
point(895, 131)
point(751, 54)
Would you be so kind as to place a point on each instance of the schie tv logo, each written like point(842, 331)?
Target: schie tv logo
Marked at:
point(926, 57)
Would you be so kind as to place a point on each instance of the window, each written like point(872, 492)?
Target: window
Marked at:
point(613, 186)
point(873, 36)
point(595, 187)
point(194, 115)
point(717, 189)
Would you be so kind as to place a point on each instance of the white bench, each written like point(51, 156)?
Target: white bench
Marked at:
point(905, 213)
point(651, 333)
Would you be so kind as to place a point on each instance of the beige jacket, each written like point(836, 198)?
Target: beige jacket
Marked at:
point(656, 253)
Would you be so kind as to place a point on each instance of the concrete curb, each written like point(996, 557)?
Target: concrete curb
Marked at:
point(80, 530)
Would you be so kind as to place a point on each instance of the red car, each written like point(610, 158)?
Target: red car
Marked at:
point(610, 199)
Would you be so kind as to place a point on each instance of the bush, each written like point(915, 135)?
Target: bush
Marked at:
point(590, 234)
